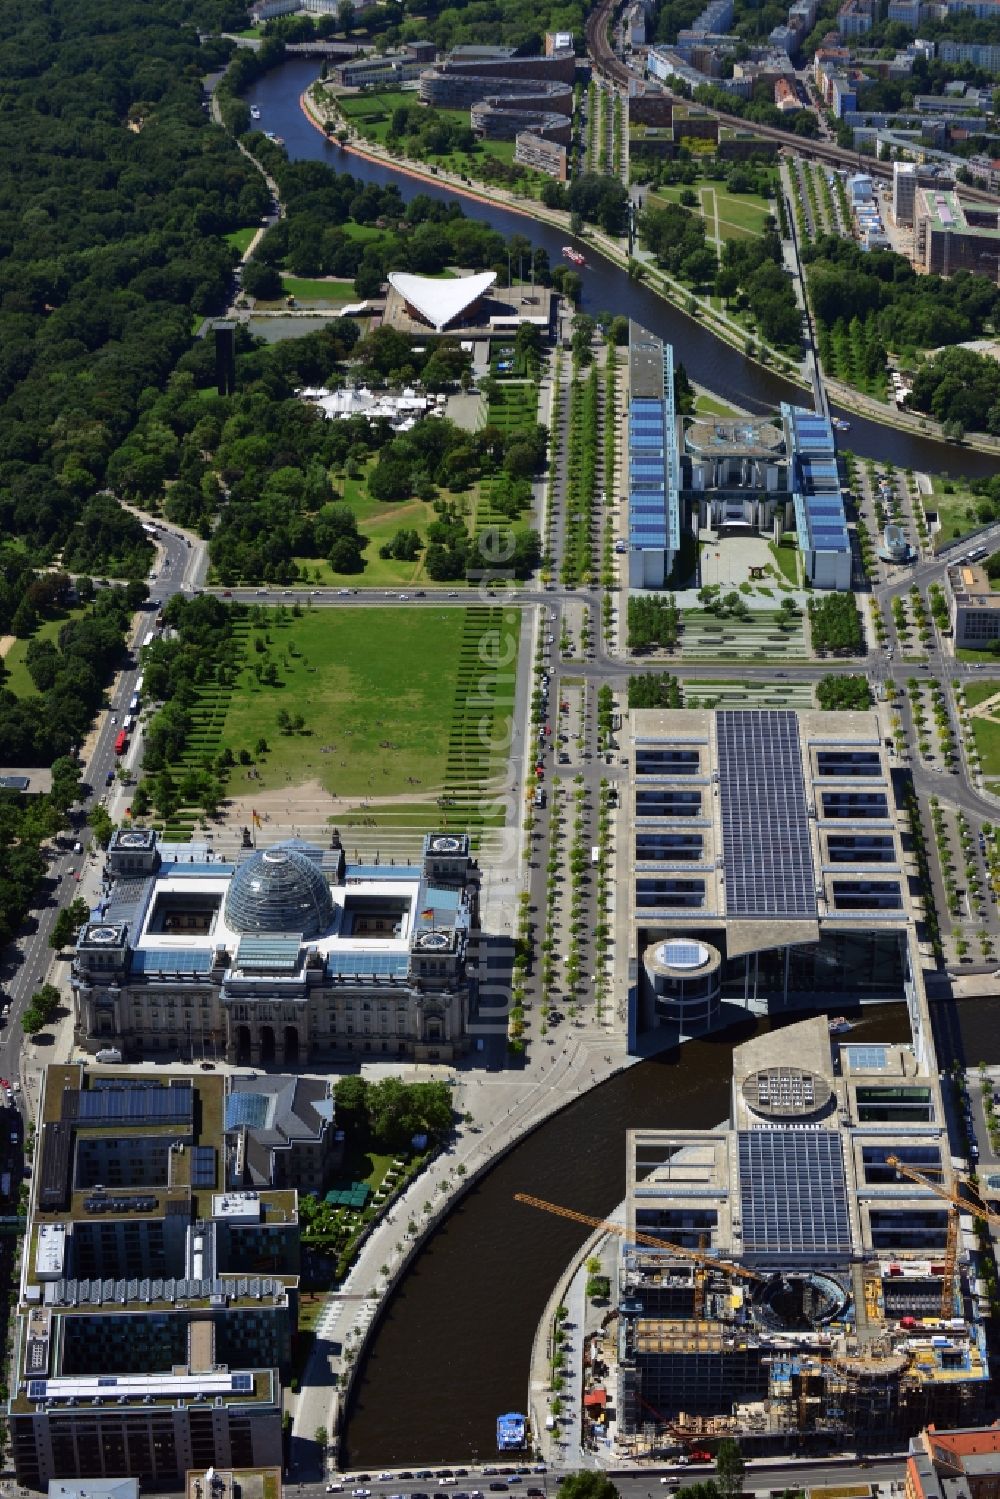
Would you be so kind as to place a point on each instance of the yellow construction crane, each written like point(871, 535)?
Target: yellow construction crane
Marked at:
point(977, 1207)
point(955, 1204)
point(697, 1257)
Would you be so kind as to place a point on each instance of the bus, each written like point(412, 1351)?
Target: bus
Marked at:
point(133, 703)
point(121, 743)
point(148, 639)
point(595, 854)
point(129, 724)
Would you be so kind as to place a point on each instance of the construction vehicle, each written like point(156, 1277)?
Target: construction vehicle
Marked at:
point(698, 1257)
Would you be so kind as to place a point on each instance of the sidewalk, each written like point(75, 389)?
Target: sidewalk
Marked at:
point(503, 1107)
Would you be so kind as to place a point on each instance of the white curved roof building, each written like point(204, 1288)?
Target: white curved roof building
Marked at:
point(440, 302)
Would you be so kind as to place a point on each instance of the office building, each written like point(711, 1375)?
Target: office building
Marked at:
point(287, 954)
point(904, 192)
point(817, 498)
point(973, 606)
point(763, 870)
point(374, 71)
point(727, 476)
point(953, 236)
point(280, 1131)
point(653, 465)
point(156, 1306)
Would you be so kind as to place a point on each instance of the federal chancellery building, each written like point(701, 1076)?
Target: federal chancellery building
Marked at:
point(283, 956)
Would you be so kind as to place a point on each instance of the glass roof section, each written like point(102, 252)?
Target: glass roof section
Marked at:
point(280, 890)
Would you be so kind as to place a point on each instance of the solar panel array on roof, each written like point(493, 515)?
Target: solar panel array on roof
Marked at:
point(203, 1166)
point(767, 854)
point(819, 507)
point(128, 1105)
point(793, 1194)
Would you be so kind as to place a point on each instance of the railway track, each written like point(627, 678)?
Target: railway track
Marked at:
point(609, 67)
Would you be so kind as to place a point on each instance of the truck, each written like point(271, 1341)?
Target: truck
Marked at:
point(121, 743)
point(133, 703)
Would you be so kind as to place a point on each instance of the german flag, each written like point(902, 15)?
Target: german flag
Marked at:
point(256, 818)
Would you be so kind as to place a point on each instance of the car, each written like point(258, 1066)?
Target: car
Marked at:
point(343, 593)
point(443, 1482)
point(498, 1488)
point(421, 593)
point(443, 1472)
point(361, 1493)
point(453, 593)
point(405, 1473)
point(384, 1477)
point(109, 778)
point(403, 595)
point(114, 718)
point(424, 1473)
point(420, 1496)
point(536, 1494)
point(207, 1066)
point(227, 593)
point(335, 1488)
point(489, 1470)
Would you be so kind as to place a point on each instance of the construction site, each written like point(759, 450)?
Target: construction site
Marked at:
point(803, 1278)
point(807, 1273)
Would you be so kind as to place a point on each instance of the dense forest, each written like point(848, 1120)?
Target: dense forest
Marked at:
point(115, 192)
point(961, 389)
point(887, 307)
point(68, 674)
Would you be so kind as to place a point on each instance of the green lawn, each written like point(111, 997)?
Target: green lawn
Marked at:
point(956, 510)
point(375, 684)
point(786, 558)
point(321, 290)
point(978, 692)
point(240, 238)
point(711, 405)
point(741, 215)
point(986, 733)
point(17, 679)
point(379, 526)
point(371, 114)
point(356, 106)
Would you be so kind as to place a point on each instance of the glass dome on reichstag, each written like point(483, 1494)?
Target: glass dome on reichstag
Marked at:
point(279, 889)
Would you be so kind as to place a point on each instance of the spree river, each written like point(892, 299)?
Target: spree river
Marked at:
point(453, 1348)
point(707, 359)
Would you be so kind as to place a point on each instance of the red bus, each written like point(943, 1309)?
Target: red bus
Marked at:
point(121, 743)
